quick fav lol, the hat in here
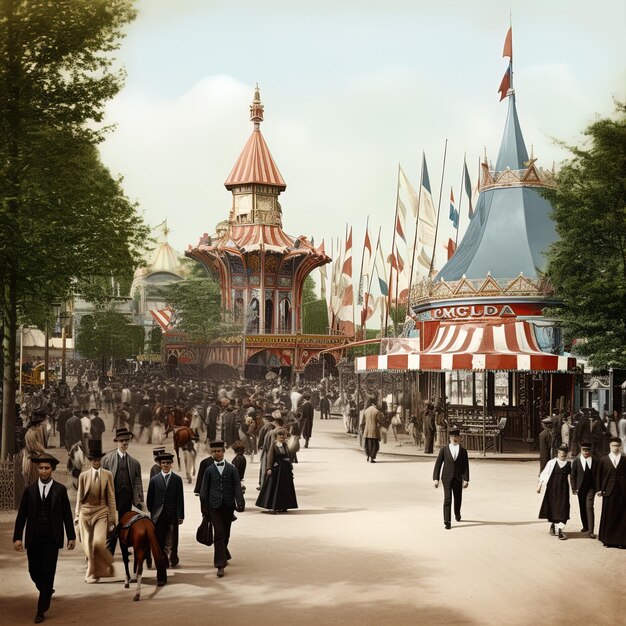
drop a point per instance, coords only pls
(165, 456)
(616, 440)
(40, 413)
(36, 419)
(76, 412)
(46, 458)
(585, 445)
(454, 432)
(547, 420)
(122, 433)
(85, 411)
(216, 444)
(95, 412)
(563, 448)
(157, 451)
(94, 449)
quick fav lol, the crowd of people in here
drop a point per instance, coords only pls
(265, 420)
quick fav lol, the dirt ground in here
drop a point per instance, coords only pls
(366, 546)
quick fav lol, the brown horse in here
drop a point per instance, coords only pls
(175, 417)
(183, 440)
(136, 531)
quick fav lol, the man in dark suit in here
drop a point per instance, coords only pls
(306, 418)
(166, 504)
(584, 480)
(126, 472)
(546, 443)
(45, 512)
(204, 464)
(73, 431)
(598, 436)
(612, 489)
(220, 496)
(454, 476)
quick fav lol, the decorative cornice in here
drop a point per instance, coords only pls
(531, 176)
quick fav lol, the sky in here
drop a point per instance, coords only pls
(351, 88)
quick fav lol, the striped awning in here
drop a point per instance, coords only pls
(163, 317)
(476, 347)
(251, 236)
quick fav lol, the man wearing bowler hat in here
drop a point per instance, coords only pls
(45, 512)
(95, 514)
(584, 478)
(454, 460)
(126, 478)
(220, 497)
(166, 504)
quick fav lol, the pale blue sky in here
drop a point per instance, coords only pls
(350, 89)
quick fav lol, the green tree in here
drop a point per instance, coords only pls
(587, 266)
(107, 335)
(156, 337)
(63, 218)
(198, 309)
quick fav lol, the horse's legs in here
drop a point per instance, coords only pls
(125, 558)
(139, 573)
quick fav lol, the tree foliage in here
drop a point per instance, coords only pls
(63, 217)
(108, 334)
(587, 266)
(198, 309)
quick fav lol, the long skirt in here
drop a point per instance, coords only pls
(278, 492)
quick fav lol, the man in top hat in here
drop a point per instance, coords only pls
(34, 446)
(612, 488)
(156, 468)
(220, 497)
(45, 512)
(584, 480)
(95, 514)
(546, 443)
(126, 472)
(454, 460)
(166, 504)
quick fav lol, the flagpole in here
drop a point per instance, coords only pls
(443, 170)
(417, 219)
(393, 245)
(458, 223)
(367, 221)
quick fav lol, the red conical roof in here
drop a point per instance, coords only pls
(255, 163)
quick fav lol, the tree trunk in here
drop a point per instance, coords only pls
(8, 378)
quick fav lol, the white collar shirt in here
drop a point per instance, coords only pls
(454, 450)
(121, 454)
(41, 486)
(95, 473)
(586, 462)
(220, 466)
(615, 458)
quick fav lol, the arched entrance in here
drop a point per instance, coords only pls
(173, 370)
(270, 362)
(319, 367)
(220, 371)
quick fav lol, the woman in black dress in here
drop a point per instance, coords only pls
(555, 505)
(278, 492)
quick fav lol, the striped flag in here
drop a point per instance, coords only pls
(163, 317)
(381, 271)
(427, 221)
(454, 214)
(366, 269)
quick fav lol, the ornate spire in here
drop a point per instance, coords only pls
(256, 109)
(513, 153)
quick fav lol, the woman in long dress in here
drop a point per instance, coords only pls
(278, 492)
(555, 506)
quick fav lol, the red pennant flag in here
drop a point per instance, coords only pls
(451, 248)
(505, 85)
(508, 45)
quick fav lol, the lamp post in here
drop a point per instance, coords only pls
(63, 317)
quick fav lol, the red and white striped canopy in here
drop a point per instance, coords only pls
(478, 347)
(252, 236)
(163, 317)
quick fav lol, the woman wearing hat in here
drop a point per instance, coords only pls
(95, 514)
(278, 492)
(555, 506)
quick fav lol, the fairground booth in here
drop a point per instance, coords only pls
(485, 349)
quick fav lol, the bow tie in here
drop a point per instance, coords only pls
(221, 463)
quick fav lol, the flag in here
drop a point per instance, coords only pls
(411, 194)
(468, 188)
(345, 289)
(505, 85)
(454, 214)
(347, 259)
(508, 44)
(451, 248)
(366, 269)
(427, 221)
(400, 228)
(323, 279)
(381, 271)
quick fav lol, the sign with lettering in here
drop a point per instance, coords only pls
(479, 311)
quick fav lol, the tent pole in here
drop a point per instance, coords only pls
(485, 412)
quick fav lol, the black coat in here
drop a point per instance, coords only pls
(452, 469)
(169, 502)
(578, 473)
(546, 447)
(61, 513)
(306, 412)
(221, 490)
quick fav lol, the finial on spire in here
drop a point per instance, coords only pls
(256, 108)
